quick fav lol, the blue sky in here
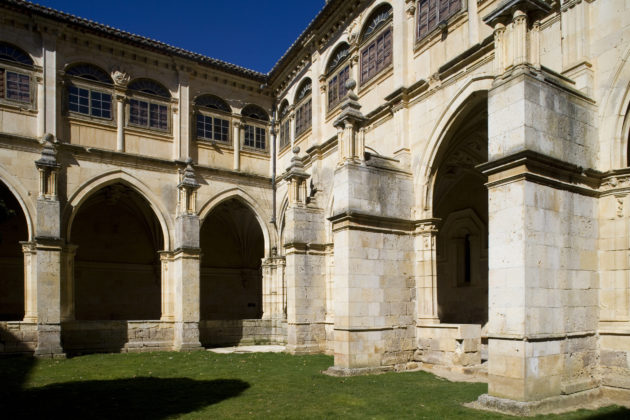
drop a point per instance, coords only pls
(250, 33)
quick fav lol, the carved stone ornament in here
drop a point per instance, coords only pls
(49, 152)
(188, 178)
(410, 7)
(120, 77)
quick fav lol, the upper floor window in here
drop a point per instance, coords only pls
(338, 71)
(432, 12)
(148, 106)
(285, 125)
(255, 127)
(376, 54)
(88, 92)
(213, 118)
(303, 111)
(15, 78)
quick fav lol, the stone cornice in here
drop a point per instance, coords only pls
(541, 169)
(352, 220)
(505, 10)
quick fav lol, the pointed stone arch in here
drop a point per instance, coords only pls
(615, 118)
(20, 192)
(248, 200)
(14, 229)
(476, 89)
(109, 178)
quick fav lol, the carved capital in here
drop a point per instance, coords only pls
(120, 77)
(410, 8)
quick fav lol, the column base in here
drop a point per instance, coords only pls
(186, 336)
(49, 342)
(557, 404)
(339, 371)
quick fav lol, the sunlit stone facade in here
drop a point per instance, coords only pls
(427, 182)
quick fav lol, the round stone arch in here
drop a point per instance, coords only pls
(110, 178)
(19, 192)
(473, 91)
(269, 235)
(614, 118)
(325, 58)
(368, 14)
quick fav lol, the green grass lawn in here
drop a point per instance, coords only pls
(216, 386)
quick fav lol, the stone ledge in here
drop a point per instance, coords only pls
(343, 372)
(558, 404)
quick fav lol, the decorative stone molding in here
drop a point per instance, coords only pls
(511, 23)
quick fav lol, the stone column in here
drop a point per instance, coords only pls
(238, 128)
(47, 250)
(186, 265)
(121, 80)
(542, 256)
(185, 139)
(274, 288)
(292, 125)
(120, 123)
(30, 281)
(426, 272)
(49, 40)
(41, 106)
(305, 289)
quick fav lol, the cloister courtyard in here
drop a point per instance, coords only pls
(204, 384)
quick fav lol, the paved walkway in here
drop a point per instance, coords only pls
(249, 349)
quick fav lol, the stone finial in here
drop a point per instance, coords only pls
(188, 190)
(348, 124)
(48, 158)
(297, 176)
(188, 179)
(48, 167)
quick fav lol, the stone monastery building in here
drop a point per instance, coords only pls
(435, 181)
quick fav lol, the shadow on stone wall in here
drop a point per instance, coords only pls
(143, 397)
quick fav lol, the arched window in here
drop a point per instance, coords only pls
(87, 97)
(213, 118)
(303, 110)
(433, 12)
(285, 124)
(338, 72)
(255, 127)
(15, 77)
(376, 39)
(148, 105)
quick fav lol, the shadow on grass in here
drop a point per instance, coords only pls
(620, 413)
(142, 397)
